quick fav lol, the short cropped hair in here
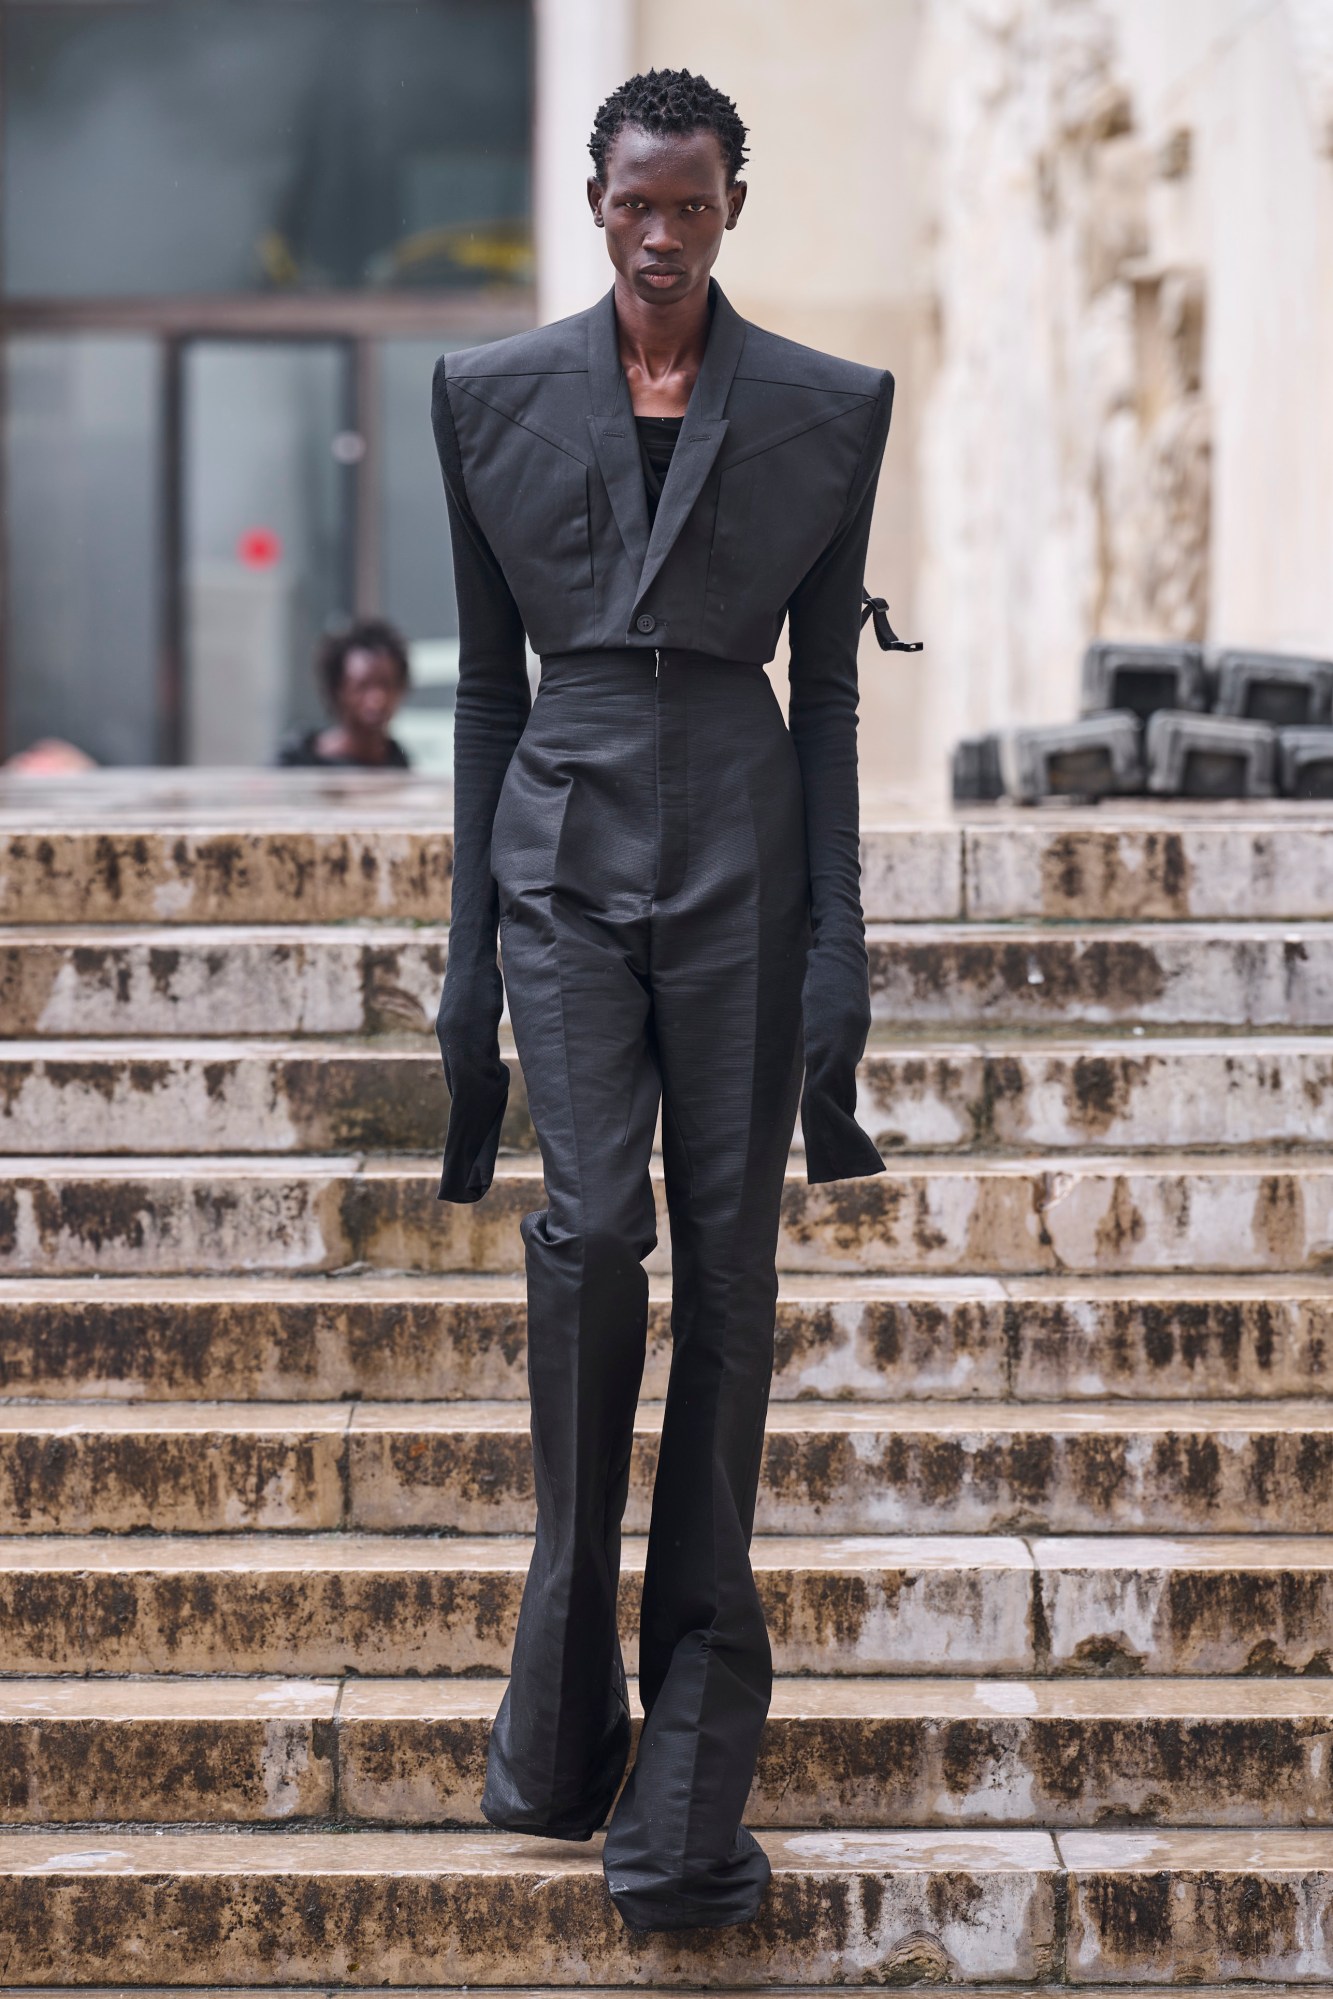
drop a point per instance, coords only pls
(365, 635)
(669, 100)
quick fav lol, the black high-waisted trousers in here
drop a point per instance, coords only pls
(649, 851)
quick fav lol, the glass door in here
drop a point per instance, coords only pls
(268, 466)
(82, 461)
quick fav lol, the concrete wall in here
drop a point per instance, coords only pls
(1130, 424)
(827, 250)
(1094, 241)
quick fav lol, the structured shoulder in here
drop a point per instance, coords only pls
(558, 349)
(768, 357)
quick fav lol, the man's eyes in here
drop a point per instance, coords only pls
(691, 207)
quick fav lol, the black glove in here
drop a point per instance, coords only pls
(467, 1028)
(836, 1005)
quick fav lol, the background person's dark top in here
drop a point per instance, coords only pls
(764, 515)
(300, 750)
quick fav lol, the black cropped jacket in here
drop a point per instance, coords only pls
(764, 516)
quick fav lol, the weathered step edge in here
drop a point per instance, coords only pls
(187, 981)
(836, 1753)
(388, 1605)
(961, 1097)
(1160, 862)
(896, 1339)
(1006, 1217)
(868, 1908)
(827, 1468)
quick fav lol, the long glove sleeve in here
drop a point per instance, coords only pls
(489, 715)
(825, 623)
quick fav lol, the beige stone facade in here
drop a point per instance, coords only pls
(1094, 241)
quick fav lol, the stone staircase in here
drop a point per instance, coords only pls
(1046, 1526)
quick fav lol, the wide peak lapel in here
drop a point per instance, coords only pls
(701, 434)
(614, 437)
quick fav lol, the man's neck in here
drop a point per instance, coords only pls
(661, 346)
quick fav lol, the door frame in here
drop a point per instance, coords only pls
(358, 557)
(359, 321)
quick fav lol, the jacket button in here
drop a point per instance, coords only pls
(646, 622)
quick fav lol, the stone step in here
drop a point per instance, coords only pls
(1146, 859)
(837, 1753)
(391, 1604)
(828, 1468)
(235, 1095)
(189, 874)
(316, 978)
(474, 1908)
(957, 977)
(294, 979)
(1103, 1215)
(345, 1991)
(861, 1469)
(1006, 1094)
(168, 1751)
(386, 1605)
(1141, 865)
(870, 1908)
(894, 1339)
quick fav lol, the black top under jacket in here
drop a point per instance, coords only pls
(657, 440)
(764, 515)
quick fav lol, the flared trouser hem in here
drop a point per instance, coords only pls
(516, 1804)
(727, 1893)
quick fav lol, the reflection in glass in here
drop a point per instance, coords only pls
(82, 445)
(416, 563)
(266, 546)
(172, 146)
(416, 559)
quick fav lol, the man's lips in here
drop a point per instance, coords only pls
(660, 274)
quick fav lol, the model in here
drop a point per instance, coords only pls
(646, 490)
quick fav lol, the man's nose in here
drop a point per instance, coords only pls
(661, 238)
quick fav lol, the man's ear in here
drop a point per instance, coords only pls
(595, 200)
(736, 194)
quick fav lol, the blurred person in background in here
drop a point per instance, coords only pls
(365, 674)
(50, 756)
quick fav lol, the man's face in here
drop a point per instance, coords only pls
(664, 207)
(370, 690)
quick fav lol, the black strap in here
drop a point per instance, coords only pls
(878, 609)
